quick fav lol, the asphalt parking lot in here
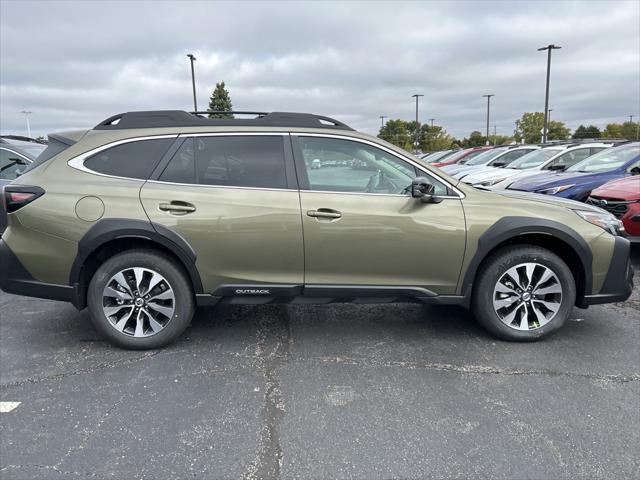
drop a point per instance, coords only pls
(339, 391)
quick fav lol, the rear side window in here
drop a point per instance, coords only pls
(238, 161)
(11, 165)
(131, 160)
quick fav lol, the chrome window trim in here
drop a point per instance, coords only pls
(420, 168)
(4, 147)
(77, 162)
(234, 187)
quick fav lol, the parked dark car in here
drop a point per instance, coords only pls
(578, 181)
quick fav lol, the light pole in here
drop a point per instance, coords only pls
(26, 114)
(548, 48)
(631, 118)
(488, 109)
(193, 81)
(382, 117)
(431, 120)
(417, 96)
(549, 115)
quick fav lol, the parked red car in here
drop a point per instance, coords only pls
(621, 198)
(463, 155)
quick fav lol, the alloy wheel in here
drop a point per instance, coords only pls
(527, 296)
(138, 302)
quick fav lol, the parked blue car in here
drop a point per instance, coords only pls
(577, 181)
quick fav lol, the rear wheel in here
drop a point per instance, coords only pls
(140, 299)
(523, 293)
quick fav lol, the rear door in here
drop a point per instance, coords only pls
(363, 229)
(234, 199)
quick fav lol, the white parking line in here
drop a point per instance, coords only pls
(8, 407)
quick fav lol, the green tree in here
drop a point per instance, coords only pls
(220, 101)
(630, 130)
(529, 127)
(559, 131)
(476, 139)
(500, 140)
(587, 132)
(397, 132)
(613, 130)
(435, 138)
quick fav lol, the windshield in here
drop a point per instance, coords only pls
(435, 156)
(609, 159)
(441, 157)
(534, 159)
(470, 156)
(486, 156)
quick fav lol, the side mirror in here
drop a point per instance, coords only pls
(557, 167)
(635, 171)
(422, 189)
(498, 164)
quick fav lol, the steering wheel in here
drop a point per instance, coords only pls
(379, 181)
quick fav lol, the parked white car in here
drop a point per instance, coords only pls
(554, 157)
(499, 156)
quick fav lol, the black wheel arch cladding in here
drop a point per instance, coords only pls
(510, 228)
(110, 229)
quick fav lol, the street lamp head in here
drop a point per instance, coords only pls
(191, 56)
(417, 95)
(489, 95)
(550, 47)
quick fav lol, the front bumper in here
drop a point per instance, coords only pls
(618, 284)
(14, 278)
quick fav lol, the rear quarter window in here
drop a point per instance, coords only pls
(135, 159)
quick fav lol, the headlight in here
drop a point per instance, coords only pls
(603, 220)
(554, 190)
(488, 183)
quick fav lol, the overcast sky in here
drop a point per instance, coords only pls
(75, 63)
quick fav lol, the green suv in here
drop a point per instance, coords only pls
(151, 214)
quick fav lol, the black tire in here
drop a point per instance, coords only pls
(184, 298)
(492, 270)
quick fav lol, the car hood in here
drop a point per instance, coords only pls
(489, 174)
(553, 179)
(626, 189)
(549, 200)
(466, 170)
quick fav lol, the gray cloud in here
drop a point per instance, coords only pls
(76, 63)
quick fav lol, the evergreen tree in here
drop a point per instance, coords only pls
(220, 101)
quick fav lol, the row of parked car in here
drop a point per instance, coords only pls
(603, 173)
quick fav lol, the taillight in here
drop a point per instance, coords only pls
(17, 196)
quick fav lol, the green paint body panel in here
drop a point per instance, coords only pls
(253, 236)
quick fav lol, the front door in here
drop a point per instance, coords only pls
(230, 197)
(362, 227)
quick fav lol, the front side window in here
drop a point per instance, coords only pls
(238, 161)
(338, 165)
(11, 165)
(131, 160)
(571, 157)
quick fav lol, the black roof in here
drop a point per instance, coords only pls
(179, 118)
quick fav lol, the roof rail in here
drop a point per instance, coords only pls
(22, 138)
(179, 118)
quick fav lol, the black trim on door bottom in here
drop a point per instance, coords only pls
(246, 294)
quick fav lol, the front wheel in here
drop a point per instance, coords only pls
(523, 293)
(140, 299)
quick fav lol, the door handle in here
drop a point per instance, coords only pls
(180, 208)
(324, 213)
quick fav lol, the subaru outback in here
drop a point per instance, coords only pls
(151, 214)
